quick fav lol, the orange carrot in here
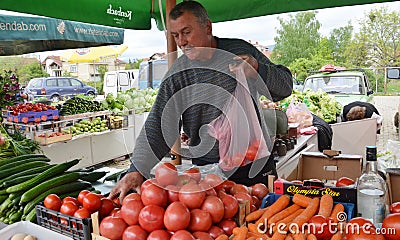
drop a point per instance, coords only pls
(288, 237)
(325, 205)
(278, 236)
(253, 216)
(281, 203)
(222, 237)
(301, 200)
(240, 233)
(298, 236)
(337, 236)
(287, 220)
(251, 238)
(311, 237)
(284, 213)
(252, 228)
(257, 236)
(310, 211)
(335, 211)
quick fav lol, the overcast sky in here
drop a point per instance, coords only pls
(144, 43)
(260, 29)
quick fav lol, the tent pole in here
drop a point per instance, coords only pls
(172, 56)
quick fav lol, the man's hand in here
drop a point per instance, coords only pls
(131, 181)
(249, 63)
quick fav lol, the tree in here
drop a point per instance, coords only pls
(133, 65)
(102, 71)
(32, 70)
(297, 38)
(338, 40)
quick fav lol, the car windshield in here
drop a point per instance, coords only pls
(35, 83)
(336, 84)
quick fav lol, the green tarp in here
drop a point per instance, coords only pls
(137, 14)
(20, 34)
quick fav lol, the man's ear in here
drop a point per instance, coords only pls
(209, 27)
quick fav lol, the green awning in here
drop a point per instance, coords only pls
(21, 34)
(137, 14)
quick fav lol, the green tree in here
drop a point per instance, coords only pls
(133, 65)
(297, 38)
(102, 71)
(338, 40)
(32, 70)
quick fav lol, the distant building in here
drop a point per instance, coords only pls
(266, 50)
(52, 65)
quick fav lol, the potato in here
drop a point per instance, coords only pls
(18, 236)
(30, 237)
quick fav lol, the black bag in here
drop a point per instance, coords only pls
(324, 133)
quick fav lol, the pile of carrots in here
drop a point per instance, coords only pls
(283, 213)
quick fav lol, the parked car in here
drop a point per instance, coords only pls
(57, 88)
(119, 81)
(345, 85)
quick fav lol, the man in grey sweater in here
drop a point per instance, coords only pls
(194, 91)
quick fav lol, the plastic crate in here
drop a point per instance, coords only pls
(76, 228)
(272, 197)
(34, 116)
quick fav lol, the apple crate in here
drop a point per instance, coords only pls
(76, 228)
(48, 138)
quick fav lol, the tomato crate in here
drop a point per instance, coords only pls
(37, 117)
(76, 228)
(349, 208)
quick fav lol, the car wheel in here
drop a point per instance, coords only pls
(55, 98)
(90, 93)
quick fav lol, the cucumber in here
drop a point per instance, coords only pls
(114, 176)
(16, 169)
(17, 180)
(27, 172)
(62, 189)
(31, 217)
(93, 176)
(49, 184)
(13, 164)
(49, 173)
(18, 158)
(16, 216)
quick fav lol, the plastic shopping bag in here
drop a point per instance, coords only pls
(238, 130)
(299, 113)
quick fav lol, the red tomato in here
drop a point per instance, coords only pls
(106, 207)
(114, 211)
(215, 207)
(364, 234)
(200, 220)
(344, 181)
(231, 205)
(321, 227)
(176, 217)
(227, 225)
(238, 188)
(183, 180)
(130, 211)
(82, 213)
(215, 231)
(154, 195)
(53, 202)
(193, 173)
(91, 202)
(131, 196)
(192, 195)
(202, 236)
(213, 179)
(227, 185)
(112, 227)
(147, 183)
(71, 199)
(395, 207)
(182, 235)
(68, 208)
(259, 190)
(359, 222)
(257, 202)
(116, 202)
(160, 234)
(166, 174)
(134, 232)
(81, 195)
(251, 153)
(210, 191)
(391, 225)
(151, 218)
(173, 193)
(243, 197)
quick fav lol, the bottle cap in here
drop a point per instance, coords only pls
(371, 153)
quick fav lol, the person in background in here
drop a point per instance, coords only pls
(359, 110)
(25, 95)
(191, 29)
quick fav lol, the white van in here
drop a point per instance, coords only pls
(118, 81)
(156, 69)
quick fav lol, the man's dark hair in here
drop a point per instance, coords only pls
(191, 6)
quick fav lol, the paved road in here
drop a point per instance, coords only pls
(387, 107)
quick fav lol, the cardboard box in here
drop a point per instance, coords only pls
(393, 181)
(316, 165)
(47, 139)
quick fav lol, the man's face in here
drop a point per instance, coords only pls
(191, 37)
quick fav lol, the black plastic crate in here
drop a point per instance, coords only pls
(76, 228)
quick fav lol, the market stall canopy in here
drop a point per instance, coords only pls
(137, 14)
(93, 54)
(22, 34)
